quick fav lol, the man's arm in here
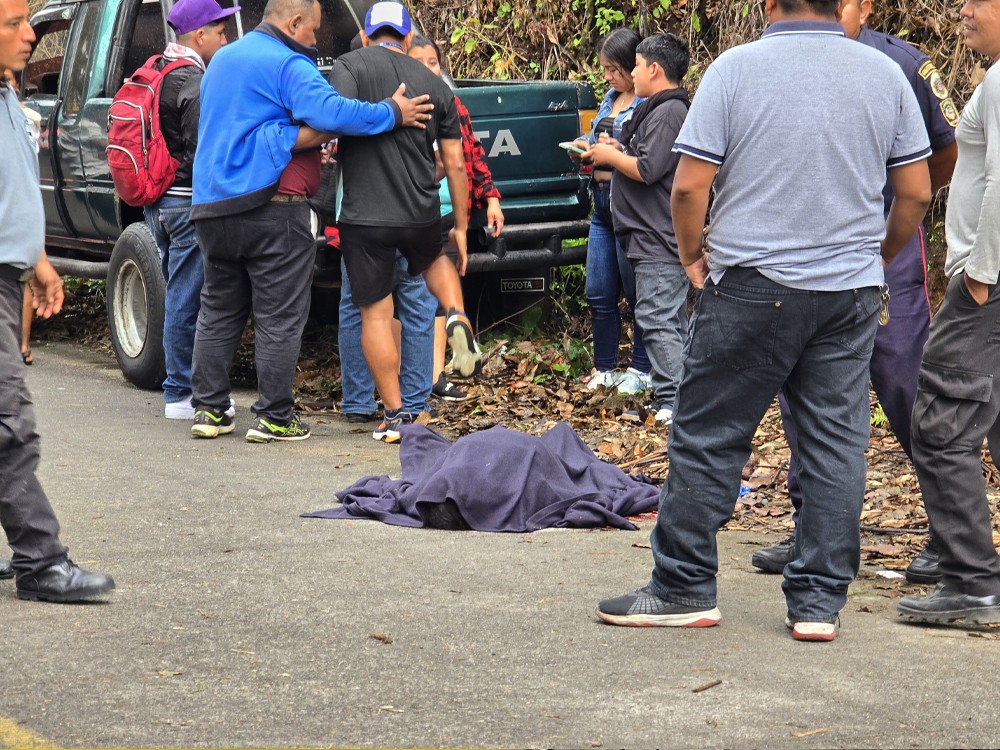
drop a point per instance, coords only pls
(458, 186)
(941, 164)
(310, 138)
(911, 188)
(689, 208)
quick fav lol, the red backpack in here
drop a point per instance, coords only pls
(141, 166)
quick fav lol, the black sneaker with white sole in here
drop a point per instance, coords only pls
(269, 430)
(643, 608)
(446, 391)
(210, 423)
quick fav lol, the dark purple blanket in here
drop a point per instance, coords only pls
(499, 480)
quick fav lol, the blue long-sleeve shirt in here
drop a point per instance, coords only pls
(255, 95)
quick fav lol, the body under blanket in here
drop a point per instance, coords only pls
(498, 480)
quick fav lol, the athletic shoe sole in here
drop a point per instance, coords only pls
(973, 616)
(256, 436)
(823, 632)
(467, 360)
(703, 619)
(211, 430)
(453, 399)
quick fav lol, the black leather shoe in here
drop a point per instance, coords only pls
(63, 582)
(6, 569)
(924, 568)
(774, 559)
(358, 418)
(944, 606)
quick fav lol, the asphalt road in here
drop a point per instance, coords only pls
(238, 623)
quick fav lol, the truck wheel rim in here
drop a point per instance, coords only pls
(130, 304)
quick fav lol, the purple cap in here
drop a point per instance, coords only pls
(388, 14)
(188, 15)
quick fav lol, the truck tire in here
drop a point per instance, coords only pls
(136, 294)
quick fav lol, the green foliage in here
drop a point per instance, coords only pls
(661, 8)
(531, 321)
(85, 287)
(879, 419)
(606, 17)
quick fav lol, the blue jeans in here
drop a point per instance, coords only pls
(169, 220)
(416, 307)
(749, 337)
(609, 274)
(899, 349)
(661, 291)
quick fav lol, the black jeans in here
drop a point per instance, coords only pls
(25, 513)
(749, 337)
(260, 261)
(957, 406)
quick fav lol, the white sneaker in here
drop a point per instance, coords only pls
(664, 416)
(606, 378)
(185, 410)
(633, 382)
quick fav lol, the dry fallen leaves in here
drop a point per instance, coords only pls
(523, 388)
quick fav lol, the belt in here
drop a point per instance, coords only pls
(283, 198)
(13, 273)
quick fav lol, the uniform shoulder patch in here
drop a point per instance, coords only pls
(930, 73)
(950, 111)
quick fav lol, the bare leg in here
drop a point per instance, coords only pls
(442, 279)
(397, 337)
(440, 344)
(379, 346)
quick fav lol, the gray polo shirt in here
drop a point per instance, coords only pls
(22, 219)
(803, 124)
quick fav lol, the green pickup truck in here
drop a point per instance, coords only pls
(86, 48)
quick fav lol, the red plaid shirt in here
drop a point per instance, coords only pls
(481, 184)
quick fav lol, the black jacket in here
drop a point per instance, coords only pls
(180, 107)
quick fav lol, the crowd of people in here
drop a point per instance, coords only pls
(810, 155)
(818, 155)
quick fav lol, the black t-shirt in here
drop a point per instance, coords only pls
(390, 179)
(641, 211)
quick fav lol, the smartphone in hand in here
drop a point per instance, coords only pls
(571, 147)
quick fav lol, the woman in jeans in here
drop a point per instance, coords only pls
(608, 271)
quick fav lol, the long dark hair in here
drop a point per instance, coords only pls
(618, 47)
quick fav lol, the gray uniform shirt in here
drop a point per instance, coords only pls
(804, 124)
(972, 221)
(22, 219)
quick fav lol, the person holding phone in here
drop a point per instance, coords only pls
(608, 270)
